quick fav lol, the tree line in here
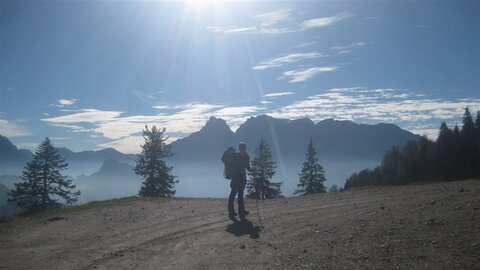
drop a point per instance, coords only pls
(44, 186)
(454, 156)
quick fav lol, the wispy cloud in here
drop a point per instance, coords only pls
(363, 105)
(350, 46)
(324, 21)
(267, 24)
(84, 116)
(279, 94)
(270, 23)
(287, 59)
(121, 131)
(306, 44)
(301, 75)
(273, 17)
(64, 102)
(10, 129)
(241, 30)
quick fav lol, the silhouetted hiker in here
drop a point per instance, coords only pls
(238, 182)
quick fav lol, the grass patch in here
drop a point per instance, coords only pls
(98, 204)
(31, 219)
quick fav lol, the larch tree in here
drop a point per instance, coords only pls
(259, 185)
(44, 187)
(151, 165)
(312, 175)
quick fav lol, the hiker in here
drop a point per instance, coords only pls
(241, 162)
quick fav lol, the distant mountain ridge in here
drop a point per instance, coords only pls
(333, 139)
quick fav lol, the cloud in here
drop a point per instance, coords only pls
(350, 46)
(301, 75)
(273, 17)
(28, 145)
(265, 26)
(84, 116)
(250, 30)
(306, 44)
(286, 59)
(279, 94)
(120, 130)
(268, 24)
(241, 29)
(10, 129)
(145, 95)
(127, 145)
(64, 102)
(324, 21)
(419, 115)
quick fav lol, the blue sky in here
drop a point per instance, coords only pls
(91, 74)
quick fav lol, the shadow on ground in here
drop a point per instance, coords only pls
(243, 227)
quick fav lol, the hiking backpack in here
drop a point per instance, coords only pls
(228, 159)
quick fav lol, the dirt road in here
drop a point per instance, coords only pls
(428, 226)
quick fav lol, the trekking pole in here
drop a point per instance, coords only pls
(258, 214)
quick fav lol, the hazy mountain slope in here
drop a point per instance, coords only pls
(3, 194)
(113, 180)
(12, 159)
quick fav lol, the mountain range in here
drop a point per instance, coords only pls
(343, 147)
(289, 138)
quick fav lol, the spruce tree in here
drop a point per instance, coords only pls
(468, 146)
(43, 184)
(151, 165)
(259, 185)
(477, 120)
(312, 175)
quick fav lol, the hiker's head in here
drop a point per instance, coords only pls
(242, 147)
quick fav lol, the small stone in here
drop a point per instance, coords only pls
(242, 246)
(305, 251)
(433, 202)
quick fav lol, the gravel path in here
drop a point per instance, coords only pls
(427, 226)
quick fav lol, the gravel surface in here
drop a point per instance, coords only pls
(425, 226)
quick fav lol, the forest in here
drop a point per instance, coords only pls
(455, 155)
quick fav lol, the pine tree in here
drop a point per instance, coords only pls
(312, 175)
(444, 160)
(151, 165)
(477, 120)
(468, 146)
(468, 124)
(43, 184)
(259, 185)
(391, 166)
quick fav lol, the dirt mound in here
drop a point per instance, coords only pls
(429, 226)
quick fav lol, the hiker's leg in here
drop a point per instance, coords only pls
(231, 199)
(241, 206)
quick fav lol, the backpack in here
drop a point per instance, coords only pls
(228, 159)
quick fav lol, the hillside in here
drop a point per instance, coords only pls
(428, 226)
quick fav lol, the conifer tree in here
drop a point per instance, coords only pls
(312, 175)
(151, 165)
(259, 185)
(468, 146)
(43, 184)
(477, 120)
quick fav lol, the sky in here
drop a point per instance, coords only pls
(92, 74)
